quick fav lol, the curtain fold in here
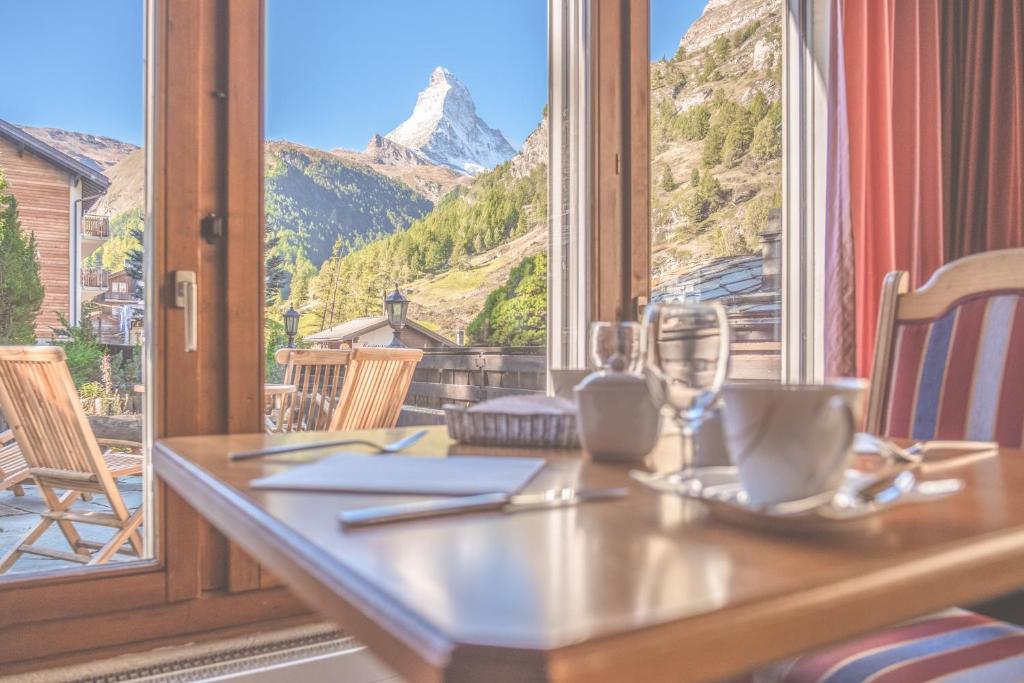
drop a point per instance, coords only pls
(986, 124)
(935, 115)
(840, 286)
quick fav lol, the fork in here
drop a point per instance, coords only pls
(393, 447)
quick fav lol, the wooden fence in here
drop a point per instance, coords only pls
(467, 375)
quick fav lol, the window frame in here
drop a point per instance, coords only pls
(204, 148)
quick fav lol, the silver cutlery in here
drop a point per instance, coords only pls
(393, 447)
(915, 454)
(551, 498)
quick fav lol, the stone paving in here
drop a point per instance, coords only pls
(18, 514)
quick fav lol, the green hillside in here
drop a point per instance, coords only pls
(316, 201)
(497, 208)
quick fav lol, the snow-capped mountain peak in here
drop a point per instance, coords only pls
(445, 128)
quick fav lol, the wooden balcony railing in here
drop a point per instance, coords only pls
(96, 226)
(95, 277)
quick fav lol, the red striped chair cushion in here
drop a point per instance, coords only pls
(955, 646)
(960, 376)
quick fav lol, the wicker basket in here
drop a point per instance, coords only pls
(536, 422)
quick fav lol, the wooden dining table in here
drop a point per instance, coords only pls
(644, 588)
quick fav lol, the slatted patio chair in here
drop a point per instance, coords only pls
(318, 376)
(376, 382)
(13, 468)
(39, 399)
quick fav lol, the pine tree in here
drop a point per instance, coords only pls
(668, 183)
(21, 290)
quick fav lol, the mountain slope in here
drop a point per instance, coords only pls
(314, 199)
(445, 128)
(715, 138)
(96, 151)
(127, 185)
(406, 165)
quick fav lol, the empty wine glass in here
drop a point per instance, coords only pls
(686, 349)
(616, 347)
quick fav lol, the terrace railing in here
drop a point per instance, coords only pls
(468, 375)
(95, 277)
(94, 225)
(472, 374)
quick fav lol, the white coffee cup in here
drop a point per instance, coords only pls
(789, 441)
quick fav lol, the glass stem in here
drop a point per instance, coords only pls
(686, 434)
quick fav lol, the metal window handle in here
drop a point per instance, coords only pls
(185, 291)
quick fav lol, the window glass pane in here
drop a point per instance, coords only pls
(72, 207)
(716, 164)
(407, 147)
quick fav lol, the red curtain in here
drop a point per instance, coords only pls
(934, 94)
(984, 110)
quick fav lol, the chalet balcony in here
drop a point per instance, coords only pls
(95, 279)
(95, 226)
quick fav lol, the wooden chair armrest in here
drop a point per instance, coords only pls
(120, 443)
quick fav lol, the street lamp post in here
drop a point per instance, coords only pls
(291, 325)
(396, 308)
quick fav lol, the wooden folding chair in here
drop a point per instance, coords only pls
(13, 468)
(39, 399)
(376, 382)
(318, 376)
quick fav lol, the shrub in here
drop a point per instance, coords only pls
(696, 207)
(694, 123)
(712, 153)
(744, 34)
(710, 71)
(721, 47)
(767, 140)
(758, 107)
(737, 141)
(668, 183)
(21, 290)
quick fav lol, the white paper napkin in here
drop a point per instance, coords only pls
(417, 475)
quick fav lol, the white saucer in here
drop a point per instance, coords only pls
(720, 490)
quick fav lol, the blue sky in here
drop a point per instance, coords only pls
(337, 71)
(669, 21)
(78, 66)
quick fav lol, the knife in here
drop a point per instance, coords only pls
(435, 507)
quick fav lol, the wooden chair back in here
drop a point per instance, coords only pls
(41, 403)
(318, 377)
(949, 357)
(376, 383)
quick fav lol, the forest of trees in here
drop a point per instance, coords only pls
(516, 313)
(497, 207)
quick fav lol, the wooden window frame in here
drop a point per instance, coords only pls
(204, 149)
(620, 214)
(620, 140)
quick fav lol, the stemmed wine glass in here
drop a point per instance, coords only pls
(687, 360)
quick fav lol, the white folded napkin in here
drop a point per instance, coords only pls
(409, 474)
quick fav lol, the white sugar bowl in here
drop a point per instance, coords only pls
(618, 418)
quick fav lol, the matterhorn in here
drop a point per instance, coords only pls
(445, 128)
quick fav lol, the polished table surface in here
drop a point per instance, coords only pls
(644, 588)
